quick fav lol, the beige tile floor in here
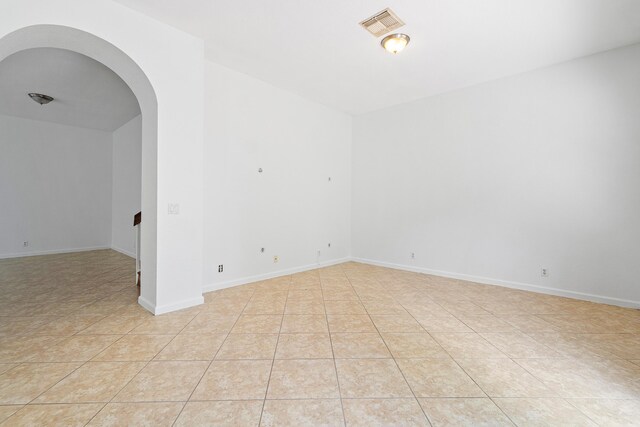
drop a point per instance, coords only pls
(350, 344)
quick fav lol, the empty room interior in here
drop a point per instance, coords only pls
(320, 213)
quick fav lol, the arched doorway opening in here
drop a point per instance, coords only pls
(62, 37)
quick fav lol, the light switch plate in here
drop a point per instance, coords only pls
(174, 208)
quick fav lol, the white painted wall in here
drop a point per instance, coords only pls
(291, 209)
(496, 181)
(55, 187)
(173, 62)
(500, 180)
(126, 187)
(67, 188)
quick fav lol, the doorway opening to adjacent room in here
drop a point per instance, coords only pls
(76, 170)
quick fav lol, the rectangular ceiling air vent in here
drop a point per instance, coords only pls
(382, 23)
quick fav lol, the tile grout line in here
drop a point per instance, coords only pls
(392, 356)
(402, 288)
(335, 366)
(61, 339)
(558, 396)
(141, 369)
(70, 373)
(463, 370)
(569, 401)
(275, 350)
(469, 375)
(212, 359)
(82, 363)
(514, 360)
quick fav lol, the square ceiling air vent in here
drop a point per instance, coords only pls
(382, 23)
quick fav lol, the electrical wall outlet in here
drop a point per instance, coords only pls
(319, 252)
(25, 244)
(413, 255)
(329, 245)
(276, 259)
(220, 268)
(544, 272)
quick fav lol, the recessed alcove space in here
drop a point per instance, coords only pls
(71, 169)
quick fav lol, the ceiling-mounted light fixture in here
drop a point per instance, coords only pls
(40, 98)
(395, 43)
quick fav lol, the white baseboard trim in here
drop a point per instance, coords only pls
(124, 252)
(167, 308)
(251, 279)
(53, 252)
(146, 304)
(507, 284)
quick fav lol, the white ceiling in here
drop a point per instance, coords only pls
(87, 94)
(316, 48)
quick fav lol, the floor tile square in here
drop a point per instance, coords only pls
(220, 414)
(300, 323)
(114, 325)
(588, 378)
(7, 410)
(303, 379)
(504, 378)
(248, 346)
(359, 346)
(134, 348)
(192, 347)
(438, 378)
(396, 323)
(70, 325)
(234, 380)
(92, 382)
(310, 412)
(266, 307)
(210, 323)
(467, 345)
(409, 345)
(166, 324)
(529, 323)
(371, 378)
(350, 323)
(304, 346)
(304, 307)
(4, 367)
(163, 381)
(487, 323)
(339, 295)
(464, 413)
(344, 307)
(258, 324)
(383, 412)
(609, 412)
(305, 293)
(543, 412)
(26, 382)
(22, 349)
(137, 414)
(224, 307)
(446, 323)
(78, 348)
(383, 307)
(519, 346)
(59, 415)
